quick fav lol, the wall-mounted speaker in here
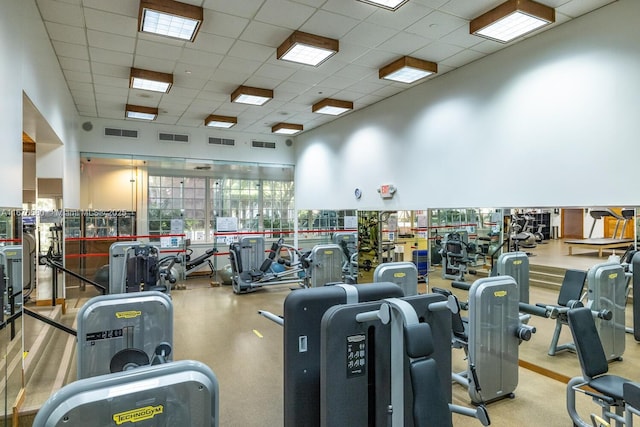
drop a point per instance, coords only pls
(289, 142)
(87, 126)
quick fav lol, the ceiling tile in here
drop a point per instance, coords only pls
(110, 70)
(468, 9)
(66, 33)
(120, 90)
(436, 25)
(154, 64)
(111, 23)
(296, 14)
(70, 50)
(401, 18)
(197, 57)
(110, 57)
(78, 76)
(111, 81)
(245, 9)
(376, 58)
(222, 24)
(354, 9)
(158, 50)
(121, 7)
(75, 64)
(270, 35)
(62, 13)
(405, 43)
(113, 42)
(437, 51)
(213, 43)
(369, 35)
(329, 24)
(253, 51)
(240, 65)
(356, 72)
(274, 71)
(462, 58)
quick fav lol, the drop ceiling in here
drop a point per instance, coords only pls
(97, 42)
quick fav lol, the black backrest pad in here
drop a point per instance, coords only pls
(572, 286)
(430, 407)
(588, 346)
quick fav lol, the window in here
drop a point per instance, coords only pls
(258, 205)
(183, 198)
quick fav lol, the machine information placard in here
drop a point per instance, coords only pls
(356, 355)
(104, 335)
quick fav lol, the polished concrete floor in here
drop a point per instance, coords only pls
(244, 349)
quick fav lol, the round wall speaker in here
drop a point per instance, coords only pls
(289, 142)
(87, 126)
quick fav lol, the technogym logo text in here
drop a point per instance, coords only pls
(136, 415)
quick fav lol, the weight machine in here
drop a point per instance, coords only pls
(490, 337)
(251, 271)
(183, 393)
(120, 331)
(136, 266)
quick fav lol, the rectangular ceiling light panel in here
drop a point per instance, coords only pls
(150, 80)
(408, 70)
(287, 128)
(170, 18)
(251, 95)
(220, 121)
(141, 113)
(386, 4)
(511, 20)
(333, 107)
(307, 49)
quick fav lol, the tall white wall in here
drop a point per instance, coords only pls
(11, 53)
(550, 121)
(44, 84)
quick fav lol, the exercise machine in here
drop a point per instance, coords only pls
(516, 265)
(605, 298)
(610, 392)
(136, 266)
(250, 271)
(301, 322)
(190, 264)
(324, 265)
(403, 274)
(348, 242)
(606, 290)
(183, 393)
(366, 350)
(120, 331)
(11, 260)
(455, 258)
(519, 237)
(491, 337)
(635, 280)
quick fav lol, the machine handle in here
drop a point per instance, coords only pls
(603, 314)
(460, 285)
(534, 309)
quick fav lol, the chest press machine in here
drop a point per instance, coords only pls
(318, 337)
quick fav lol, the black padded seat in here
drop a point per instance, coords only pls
(609, 385)
(430, 407)
(593, 360)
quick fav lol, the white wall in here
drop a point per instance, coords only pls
(11, 52)
(551, 121)
(29, 65)
(147, 143)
